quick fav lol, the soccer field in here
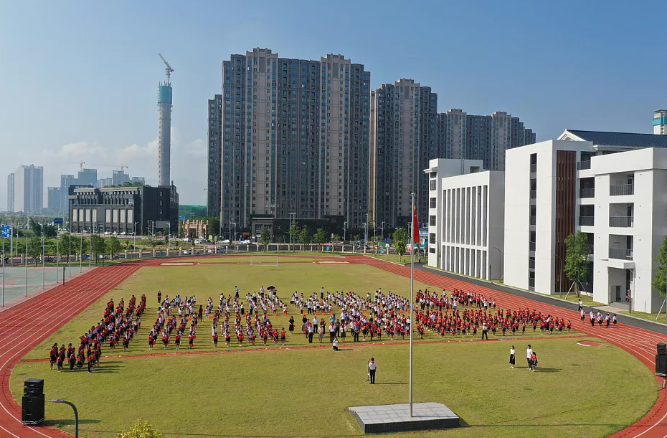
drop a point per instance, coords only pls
(301, 391)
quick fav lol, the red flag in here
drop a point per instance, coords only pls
(415, 224)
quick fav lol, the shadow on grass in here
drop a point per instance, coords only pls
(69, 422)
(548, 370)
(390, 383)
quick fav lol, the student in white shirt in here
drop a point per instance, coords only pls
(335, 344)
(372, 367)
(529, 354)
(512, 356)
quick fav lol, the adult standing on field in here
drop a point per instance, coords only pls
(529, 357)
(372, 368)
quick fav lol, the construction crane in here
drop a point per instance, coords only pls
(168, 69)
(122, 166)
(80, 163)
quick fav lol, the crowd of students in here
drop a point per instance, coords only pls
(368, 317)
(119, 324)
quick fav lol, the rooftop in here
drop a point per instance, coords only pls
(616, 138)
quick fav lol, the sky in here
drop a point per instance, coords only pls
(78, 79)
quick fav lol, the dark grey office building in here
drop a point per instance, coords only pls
(123, 209)
(294, 139)
(213, 195)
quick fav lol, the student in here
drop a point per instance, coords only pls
(372, 368)
(335, 344)
(529, 357)
(581, 305)
(512, 357)
(485, 331)
(533, 359)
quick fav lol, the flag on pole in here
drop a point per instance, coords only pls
(415, 224)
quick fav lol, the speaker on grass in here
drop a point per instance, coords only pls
(32, 409)
(662, 348)
(33, 387)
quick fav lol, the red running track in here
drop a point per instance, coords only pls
(27, 324)
(638, 342)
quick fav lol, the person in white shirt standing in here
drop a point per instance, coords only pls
(372, 367)
(335, 344)
(529, 355)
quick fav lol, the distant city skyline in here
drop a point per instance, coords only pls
(526, 59)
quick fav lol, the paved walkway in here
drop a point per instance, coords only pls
(26, 325)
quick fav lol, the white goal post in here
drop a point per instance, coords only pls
(263, 261)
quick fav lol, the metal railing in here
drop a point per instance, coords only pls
(587, 221)
(588, 192)
(622, 189)
(584, 165)
(619, 253)
(621, 221)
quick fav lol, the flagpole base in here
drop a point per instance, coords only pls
(396, 418)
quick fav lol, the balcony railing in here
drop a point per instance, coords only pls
(532, 246)
(533, 168)
(587, 192)
(533, 220)
(622, 254)
(533, 194)
(622, 189)
(584, 165)
(620, 221)
(587, 221)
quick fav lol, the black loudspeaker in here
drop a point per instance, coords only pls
(33, 387)
(662, 348)
(661, 364)
(33, 409)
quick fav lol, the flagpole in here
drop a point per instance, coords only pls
(412, 290)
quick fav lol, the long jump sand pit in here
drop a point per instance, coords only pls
(331, 262)
(177, 264)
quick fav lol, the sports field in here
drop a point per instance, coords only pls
(297, 390)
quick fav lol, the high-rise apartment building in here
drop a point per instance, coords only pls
(29, 189)
(10, 192)
(119, 178)
(404, 139)
(87, 177)
(660, 122)
(54, 200)
(474, 137)
(294, 139)
(213, 195)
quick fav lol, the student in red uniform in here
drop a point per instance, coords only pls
(282, 336)
(53, 355)
(72, 360)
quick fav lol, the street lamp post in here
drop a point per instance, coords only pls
(76, 415)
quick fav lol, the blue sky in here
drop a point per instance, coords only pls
(78, 80)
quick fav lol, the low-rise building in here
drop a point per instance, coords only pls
(607, 185)
(466, 214)
(140, 209)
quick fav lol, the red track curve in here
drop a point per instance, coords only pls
(28, 323)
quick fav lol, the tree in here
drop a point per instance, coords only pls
(304, 236)
(50, 231)
(113, 245)
(336, 238)
(294, 231)
(142, 429)
(400, 240)
(576, 258)
(36, 227)
(660, 277)
(35, 248)
(214, 226)
(97, 246)
(265, 237)
(320, 236)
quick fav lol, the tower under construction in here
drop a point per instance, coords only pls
(164, 135)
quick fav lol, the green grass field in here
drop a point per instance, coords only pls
(281, 392)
